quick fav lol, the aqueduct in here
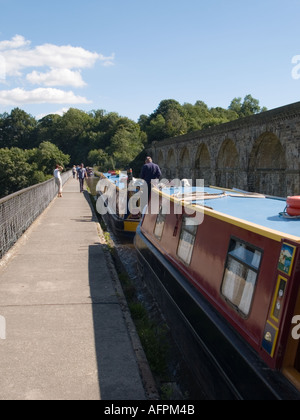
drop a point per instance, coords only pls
(259, 153)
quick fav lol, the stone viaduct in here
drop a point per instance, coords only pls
(259, 153)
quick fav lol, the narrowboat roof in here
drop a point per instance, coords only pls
(120, 179)
(254, 209)
(117, 179)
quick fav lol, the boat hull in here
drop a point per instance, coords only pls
(223, 364)
(121, 227)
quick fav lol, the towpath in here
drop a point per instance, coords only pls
(66, 337)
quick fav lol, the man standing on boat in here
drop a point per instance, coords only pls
(149, 172)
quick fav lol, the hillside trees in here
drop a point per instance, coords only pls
(77, 133)
(168, 120)
(249, 106)
(119, 142)
(30, 148)
(15, 170)
(17, 129)
(171, 119)
(22, 168)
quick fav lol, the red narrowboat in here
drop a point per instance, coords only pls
(224, 265)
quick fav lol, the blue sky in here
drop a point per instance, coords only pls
(126, 56)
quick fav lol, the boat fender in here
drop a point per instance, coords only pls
(293, 205)
(292, 211)
(294, 201)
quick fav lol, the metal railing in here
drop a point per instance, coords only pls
(19, 210)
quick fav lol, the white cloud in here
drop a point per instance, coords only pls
(45, 65)
(57, 77)
(107, 61)
(42, 95)
(47, 55)
(17, 41)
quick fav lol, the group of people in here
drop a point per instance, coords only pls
(76, 169)
(79, 172)
(150, 171)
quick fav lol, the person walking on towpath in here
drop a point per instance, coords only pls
(58, 169)
(150, 171)
(74, 171)
(81, 175)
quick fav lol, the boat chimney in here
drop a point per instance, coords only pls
(129, 175)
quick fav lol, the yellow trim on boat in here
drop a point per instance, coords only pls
(252, 227)
(131, 226)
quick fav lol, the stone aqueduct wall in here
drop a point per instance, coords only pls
(259, 153)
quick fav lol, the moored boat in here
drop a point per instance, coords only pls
(224, 265)
(114, 191)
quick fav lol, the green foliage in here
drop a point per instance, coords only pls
(119, 145)
(17, 129)
(249, 106)
(30, 149)
(171, 119)
(168, 120)
(22, 168)
(15, 171)
(47, 156)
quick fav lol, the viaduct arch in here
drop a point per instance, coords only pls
(259, 153)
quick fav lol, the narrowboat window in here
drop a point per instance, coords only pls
(187, 241)
(240, 276)
(160, 224)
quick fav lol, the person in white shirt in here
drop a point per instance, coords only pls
(58, 169)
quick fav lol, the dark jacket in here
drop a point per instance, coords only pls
(150, 171)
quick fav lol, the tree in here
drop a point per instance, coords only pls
(236, 105)
(156, 128)
(69, 130)
(125, 146)
(250, 106)
(47, 129)
(168, 120)
(18, 130)
(100, 137)
(22, 168)
(196, 115)
(15, 171)
(98, 158)
(175, 123)
(171, 119)
(47, 156)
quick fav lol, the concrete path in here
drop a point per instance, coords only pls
(66, 338)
